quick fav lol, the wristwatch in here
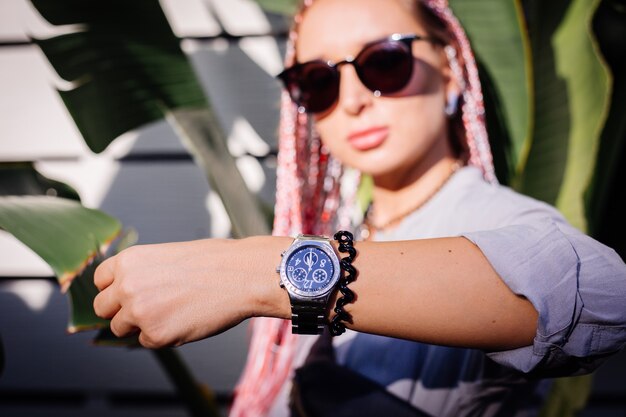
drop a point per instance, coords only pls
(309, 271)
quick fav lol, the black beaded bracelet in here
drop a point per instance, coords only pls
(346, 245)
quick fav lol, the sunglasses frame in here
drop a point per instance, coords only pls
(288, 75)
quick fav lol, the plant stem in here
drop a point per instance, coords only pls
(199, 130)
(198, 398)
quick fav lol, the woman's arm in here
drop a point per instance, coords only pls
(440, 291)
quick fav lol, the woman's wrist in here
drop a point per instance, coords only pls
(265, 297)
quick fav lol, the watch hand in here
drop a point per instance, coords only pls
(309, 260)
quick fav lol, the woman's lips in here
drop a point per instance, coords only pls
(370, 138)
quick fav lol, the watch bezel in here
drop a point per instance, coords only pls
(324, 246)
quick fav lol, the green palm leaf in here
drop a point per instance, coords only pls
(128, 74)
(605, 199)
(285, 7)
(126, 64)
(572, 99)
(62, 232)
(569, 99)
(21, 178)
(68, 237)
(501, 47)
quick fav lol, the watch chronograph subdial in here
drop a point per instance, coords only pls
(319, 275)
(299, 274)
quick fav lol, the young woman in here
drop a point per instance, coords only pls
(466, 292)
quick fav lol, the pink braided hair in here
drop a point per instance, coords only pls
(309, 199)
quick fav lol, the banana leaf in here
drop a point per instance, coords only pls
(495, 29)
(125, 62)
(605, 199)
(285, 7)
(62, 232)
(68, 237)
(27, 192)
(128, 74)
(573, 92)
(21, 178)
(569, 99)
(72, 240)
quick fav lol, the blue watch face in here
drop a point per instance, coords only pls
(310, 269)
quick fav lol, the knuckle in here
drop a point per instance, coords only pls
(97, 277)
(147, 340)
(123, 260)
(126, 288)
(96, 305)
(115, 329)
(138, 312)
(144, 340)
(102, 272)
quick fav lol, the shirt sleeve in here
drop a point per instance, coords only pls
(577, 285)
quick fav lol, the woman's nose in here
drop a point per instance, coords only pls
(353, 95)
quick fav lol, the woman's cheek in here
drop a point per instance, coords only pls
(331, 132)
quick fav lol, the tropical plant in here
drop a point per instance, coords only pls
(73, 240)
(554, 107)
(554, 110)
(127, 75)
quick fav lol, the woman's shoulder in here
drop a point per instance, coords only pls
(485, 205)
(468, 203)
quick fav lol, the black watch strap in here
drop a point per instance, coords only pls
(308, 318)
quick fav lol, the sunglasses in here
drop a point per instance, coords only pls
(384, 67)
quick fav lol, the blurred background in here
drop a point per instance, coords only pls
(148, 180)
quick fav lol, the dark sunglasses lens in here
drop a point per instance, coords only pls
(314, 86)
(386, 66)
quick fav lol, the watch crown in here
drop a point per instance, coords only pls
(278, 269)
(280, 283)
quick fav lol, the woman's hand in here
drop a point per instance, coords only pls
(175, 293)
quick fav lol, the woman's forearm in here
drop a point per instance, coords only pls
(440, 291)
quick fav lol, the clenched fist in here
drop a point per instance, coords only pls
(175, 293)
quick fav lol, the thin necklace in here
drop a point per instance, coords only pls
(368, 225)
